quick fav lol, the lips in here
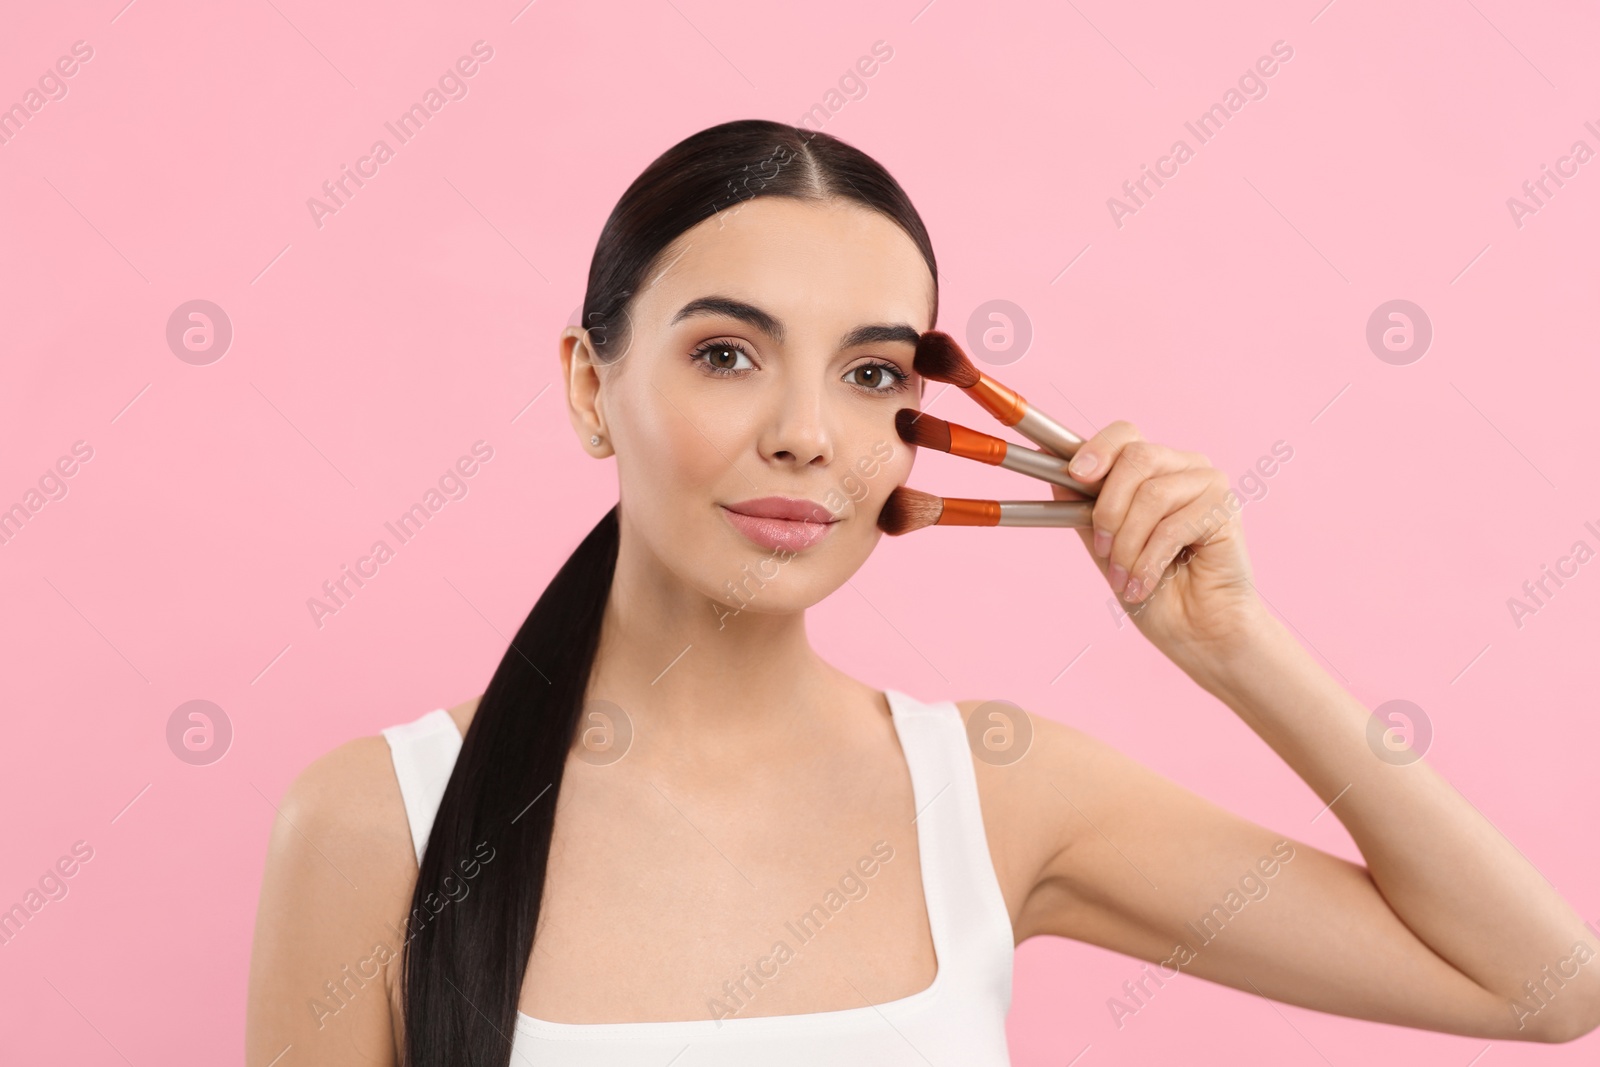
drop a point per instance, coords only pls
(781, 522)
(783, 507)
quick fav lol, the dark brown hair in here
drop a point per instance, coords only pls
(463, 965)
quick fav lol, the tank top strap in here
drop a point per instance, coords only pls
(966, 909)
(424, 752)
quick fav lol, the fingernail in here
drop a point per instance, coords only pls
(1117, 576)
(1102, 543)
(1082, 464)
(1131, 593)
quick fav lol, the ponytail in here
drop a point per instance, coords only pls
(462, 967)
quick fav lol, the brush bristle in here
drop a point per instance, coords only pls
(940, 358)
(921, 429)
(909, 509)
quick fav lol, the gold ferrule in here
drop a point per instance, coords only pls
(959, 511)
(970, 444)
(1002, 402)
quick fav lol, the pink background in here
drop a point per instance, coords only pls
(1226, 315)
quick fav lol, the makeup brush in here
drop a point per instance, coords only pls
(928, 431)
(908, 509)
(940, 358)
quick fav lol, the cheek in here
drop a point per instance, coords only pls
(677, 441)
(670, 477)
(871, 467)
(894, 471)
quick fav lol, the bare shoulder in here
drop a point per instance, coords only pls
(351, 795)
(462, 713)
(1029, 770)
(1020, 756)
(339, 872)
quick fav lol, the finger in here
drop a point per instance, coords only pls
(1153, 501)
(1136, 463)
(1193, 522)
(1094, 457)
(1061, 492)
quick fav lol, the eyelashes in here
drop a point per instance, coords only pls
(896, 377)
(704, 353)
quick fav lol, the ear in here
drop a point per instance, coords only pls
(582, 378)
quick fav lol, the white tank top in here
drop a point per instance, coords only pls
(957, 1021)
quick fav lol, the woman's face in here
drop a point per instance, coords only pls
(769, 350)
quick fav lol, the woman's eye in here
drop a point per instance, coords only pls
(722, 357)
(880, 377)
(726, 358)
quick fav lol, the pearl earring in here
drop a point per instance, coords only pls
(594, 440)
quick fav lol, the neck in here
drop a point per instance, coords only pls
(680, 663)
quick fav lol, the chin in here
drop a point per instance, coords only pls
(778, 581)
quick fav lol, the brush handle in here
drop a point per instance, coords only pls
(1014, 410)
(1046, 512)
(1044, 466)
(1047, 433)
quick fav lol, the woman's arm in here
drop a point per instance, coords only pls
(1444, 869)
(1447, 927)
(339, 873)
(1439, 931)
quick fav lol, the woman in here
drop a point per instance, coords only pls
(734, 853)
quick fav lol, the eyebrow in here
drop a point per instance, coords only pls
(871, 333)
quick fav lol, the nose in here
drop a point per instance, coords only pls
(798, 433)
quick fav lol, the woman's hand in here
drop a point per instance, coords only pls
(1168, 539)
